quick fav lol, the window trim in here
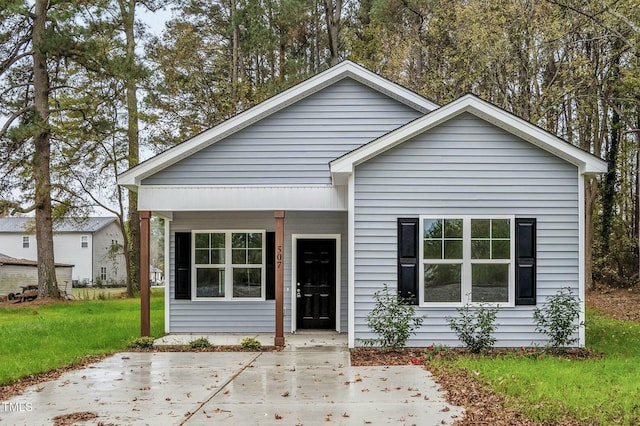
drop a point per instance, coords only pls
(466, 261)
(84, 241)
(228, 266)
(26, 242)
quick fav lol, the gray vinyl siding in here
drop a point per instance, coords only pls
(465, 166)
(205, 316)
(296, 144)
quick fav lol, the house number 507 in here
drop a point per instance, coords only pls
(279, 256)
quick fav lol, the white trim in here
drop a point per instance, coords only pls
(587, 163)
(228, 266)
(467, 262)
(236, 198)
(294, 274)
(351, 277)
(133, 177)
(581, 259)
(167, 275)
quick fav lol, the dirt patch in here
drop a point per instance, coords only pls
(73, 418)
(40, 301)
(616, 303)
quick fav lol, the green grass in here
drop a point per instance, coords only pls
(595, 391)
(42, 338)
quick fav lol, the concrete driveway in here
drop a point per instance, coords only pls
(307, 386)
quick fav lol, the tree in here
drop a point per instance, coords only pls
(29, 31)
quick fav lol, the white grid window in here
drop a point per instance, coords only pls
(229, 264)
(466, 259)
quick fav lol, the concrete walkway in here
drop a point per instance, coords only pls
(303, 385)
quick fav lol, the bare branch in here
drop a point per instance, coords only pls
(11, 207)
(12, 118)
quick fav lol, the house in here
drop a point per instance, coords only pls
(290, 215)
(93, 245)
(17, 273)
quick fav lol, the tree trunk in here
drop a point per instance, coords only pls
(47, 284)
(590, 194)
(615, 134)
(133, 250)
(332, 12)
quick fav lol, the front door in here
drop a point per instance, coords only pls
(316, 284)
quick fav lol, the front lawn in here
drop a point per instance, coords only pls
(37, 339)
(593, 391)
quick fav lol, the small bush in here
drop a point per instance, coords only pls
(251, 343)
(474, 327)
(141, 343)
(438, 353)
(557, 318)
(199, 343)
(392, 319)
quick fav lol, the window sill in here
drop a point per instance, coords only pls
(226, 300)
(447, 305)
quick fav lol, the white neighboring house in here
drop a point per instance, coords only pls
(93, 245)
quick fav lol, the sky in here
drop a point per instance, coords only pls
(155, 20)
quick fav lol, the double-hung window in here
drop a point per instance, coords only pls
(25, 241)
(466, 259)
(229, 265)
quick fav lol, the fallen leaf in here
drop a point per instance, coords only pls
(285, 394)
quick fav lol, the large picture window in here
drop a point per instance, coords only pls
(229, 264)
(466, 259)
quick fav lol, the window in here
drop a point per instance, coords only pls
(85, 241)
(103, 273)
(466, 259)
(229, 264)
(25, 241)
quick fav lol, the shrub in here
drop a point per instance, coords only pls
(438, 353)
(251, 343)
(557, 318)
(474, 327)
(141, 343)
(199, 343)
(392, 319)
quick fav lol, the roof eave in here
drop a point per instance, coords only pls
(586, 162)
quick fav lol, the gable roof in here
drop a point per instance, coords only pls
(8, 260)
(346, 69)
(26, 224)
(587, 163)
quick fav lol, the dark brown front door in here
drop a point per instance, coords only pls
(316, 284)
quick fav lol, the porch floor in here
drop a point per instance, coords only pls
(293, 341)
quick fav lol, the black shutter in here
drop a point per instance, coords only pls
(183, 265)
(408, 258)
(270, 279)
(525, 261)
